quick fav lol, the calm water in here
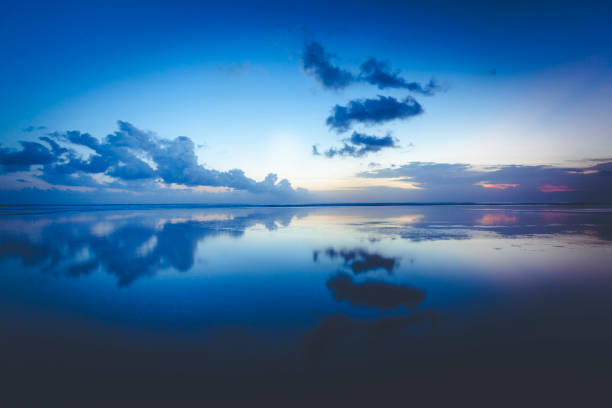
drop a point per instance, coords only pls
(167, 304)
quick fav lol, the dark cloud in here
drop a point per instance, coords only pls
(317, 62)
(359, 260)
(372, 112)
(31, 153)
(359, 144)
(129, 155)
(380, 74)
(345, 150)
(376, 294)
(361, 139)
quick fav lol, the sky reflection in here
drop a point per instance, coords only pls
(318, 291)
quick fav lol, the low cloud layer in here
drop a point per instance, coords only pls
(459, 182)
(372, 112)
(358, 145)
(129, 158)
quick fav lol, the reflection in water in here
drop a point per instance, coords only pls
(498, 219)
(338, 333)
(127, 247)
(376, 294)
(360, 260)
(465, 222)
(279, 300)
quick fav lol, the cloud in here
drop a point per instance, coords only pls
(346, 150)
(449, 181)
(502, 186)
(31, 153)
(358, 145)
(127, 156)
(317, 62)
(55, 147)
(380, 74)
(372, 112)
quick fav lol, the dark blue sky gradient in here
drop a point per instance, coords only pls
(51, 48)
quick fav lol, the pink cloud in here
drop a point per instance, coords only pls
(549, 188)
(497, 186)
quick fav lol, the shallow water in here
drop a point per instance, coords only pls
(164, 304)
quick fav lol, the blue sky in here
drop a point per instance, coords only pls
(517, 86)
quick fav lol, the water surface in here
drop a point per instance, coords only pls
(162, 304)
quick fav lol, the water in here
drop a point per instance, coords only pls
(167, 305)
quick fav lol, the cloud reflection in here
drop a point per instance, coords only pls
(467, 222)
(128, 247)
(338, 333)
(375, 294)
(360, 260)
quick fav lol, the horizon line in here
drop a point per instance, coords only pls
(358, 204)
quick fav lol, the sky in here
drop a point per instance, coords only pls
(305, 102)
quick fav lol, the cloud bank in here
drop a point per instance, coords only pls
(507, 183)
(130, 159)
